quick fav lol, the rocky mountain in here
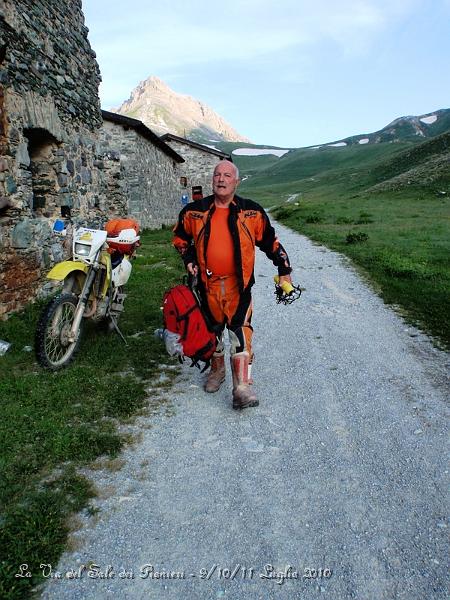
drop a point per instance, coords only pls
(408, 128)
(164, 111)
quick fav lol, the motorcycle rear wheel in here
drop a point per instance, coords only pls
(53, 348)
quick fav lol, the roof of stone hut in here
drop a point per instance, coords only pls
(176, 138)
(144, 131)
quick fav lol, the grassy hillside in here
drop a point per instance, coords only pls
(399, 235)
(328, 160)
(433, 154)
(299, 168)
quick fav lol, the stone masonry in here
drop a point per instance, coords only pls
(200, 162)
(57, 159)
(138, 173)
(49, 116)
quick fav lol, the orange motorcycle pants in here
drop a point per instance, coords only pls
(229, 308)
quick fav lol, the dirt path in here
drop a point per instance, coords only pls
(340, 473)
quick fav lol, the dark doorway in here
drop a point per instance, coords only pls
(41, 149)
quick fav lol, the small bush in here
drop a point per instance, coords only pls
(403, 267)
(356, 237)
(313, 218)
(364, 218)
(344, 221)
(282, 213)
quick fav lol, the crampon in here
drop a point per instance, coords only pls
(286, 293)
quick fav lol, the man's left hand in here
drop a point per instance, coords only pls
(284, 278)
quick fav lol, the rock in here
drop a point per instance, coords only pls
(22, 234)
(43, 229)
(14, 135)
(71, 167)
(22, 156)
(46, 259)
(86, 176)
(57, 252)
(10, 185)
(62, 179)
(4, 202)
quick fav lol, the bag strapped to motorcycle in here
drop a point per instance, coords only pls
(183, 314)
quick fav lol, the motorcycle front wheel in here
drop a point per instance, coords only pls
(53, 348)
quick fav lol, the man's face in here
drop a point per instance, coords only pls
(225, 181)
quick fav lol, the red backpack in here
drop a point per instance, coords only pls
(182, 315)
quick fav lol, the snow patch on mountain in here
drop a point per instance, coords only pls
(364, 141)
(259, 151)
(429, 120)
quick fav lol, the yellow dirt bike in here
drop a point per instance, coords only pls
(93, 282)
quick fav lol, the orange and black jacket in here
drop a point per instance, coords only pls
(249, 226)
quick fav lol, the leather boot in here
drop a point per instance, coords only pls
(243, 396)
(216, 375)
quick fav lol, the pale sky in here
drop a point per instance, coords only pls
(288, 73)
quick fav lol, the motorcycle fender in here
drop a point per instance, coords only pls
(60, 271)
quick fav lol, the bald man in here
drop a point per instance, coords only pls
(216, 237)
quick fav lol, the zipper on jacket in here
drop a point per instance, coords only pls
(233, 219)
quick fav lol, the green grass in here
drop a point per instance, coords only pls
(416, 155)
(53, 422)
(403, 247)
(306, 167)
(400, 239)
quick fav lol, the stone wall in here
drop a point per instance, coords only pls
(57, 159)
(49, 117)
(137, 177)
(199, 165)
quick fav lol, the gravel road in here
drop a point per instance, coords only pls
(334, 488)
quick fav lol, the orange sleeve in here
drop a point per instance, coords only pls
(182, 238)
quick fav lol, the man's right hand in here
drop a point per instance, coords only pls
(192, 269)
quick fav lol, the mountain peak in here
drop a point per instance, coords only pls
(156, 83)
(165, 111)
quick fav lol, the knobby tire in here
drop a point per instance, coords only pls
(53, 351)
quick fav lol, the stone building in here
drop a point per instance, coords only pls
(199, 163)
(138, 174)
(49, 119)
(58, 157)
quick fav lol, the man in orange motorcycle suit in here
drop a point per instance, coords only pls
(216, 237)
